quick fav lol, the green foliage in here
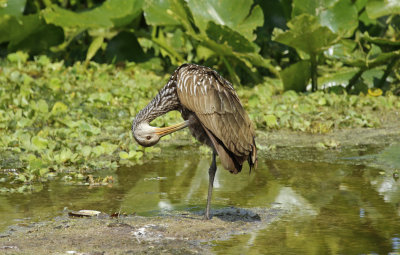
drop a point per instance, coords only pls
(245, 40)
(58, 120)
(329, 32)
(221, 35)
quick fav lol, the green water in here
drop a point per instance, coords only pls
(341, 208)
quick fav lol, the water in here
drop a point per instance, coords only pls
(330, 208)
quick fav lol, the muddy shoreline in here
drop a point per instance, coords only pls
(183, 233)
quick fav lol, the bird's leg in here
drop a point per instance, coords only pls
(211, 175)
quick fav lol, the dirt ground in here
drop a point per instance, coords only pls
(172, 234)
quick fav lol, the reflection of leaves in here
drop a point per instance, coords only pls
(390, 156)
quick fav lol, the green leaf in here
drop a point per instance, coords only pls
(223, 35)
(296, 76)
(379, 8)
(109, 148)
(42, 106)
(271, 120)
(312, 7)
(39, 142)
(94, 47)
(160, 12)
(86, 127)
(35, 163)
(98, 150)
(59, 108)
(83, 20)
(238, 15)
(381, 41)
(18, 57)
(13, 7)
(64, 155)
(341, 18)
(342, 50)
(105, 97)
(86, 150)
(111, 13)
(124, 155)
(306, 34)
(339, 77)
(29, 33)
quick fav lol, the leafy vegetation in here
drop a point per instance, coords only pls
(70, 121)
(333, 43)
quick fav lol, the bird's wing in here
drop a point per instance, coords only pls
(217, 106)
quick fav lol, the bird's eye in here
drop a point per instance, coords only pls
(148, 137)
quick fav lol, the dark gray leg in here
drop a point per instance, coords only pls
(211, 175)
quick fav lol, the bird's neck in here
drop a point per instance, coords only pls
(166, 100)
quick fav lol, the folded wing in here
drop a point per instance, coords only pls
(218, 108)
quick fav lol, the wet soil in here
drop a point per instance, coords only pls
(185, 233)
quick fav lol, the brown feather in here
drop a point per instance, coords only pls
(214, 102)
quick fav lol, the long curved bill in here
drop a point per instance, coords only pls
(168, 130)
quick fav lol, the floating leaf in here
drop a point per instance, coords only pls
(125, 155)
(271, 120)
(59, 108)
(86, 150)
(39, 142)
(42, 106)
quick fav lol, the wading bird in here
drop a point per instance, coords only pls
(212, 111)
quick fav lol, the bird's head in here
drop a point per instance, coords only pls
(147, 135)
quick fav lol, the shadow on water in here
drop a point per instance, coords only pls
(332, 208)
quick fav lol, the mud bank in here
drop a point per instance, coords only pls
(171, 234)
